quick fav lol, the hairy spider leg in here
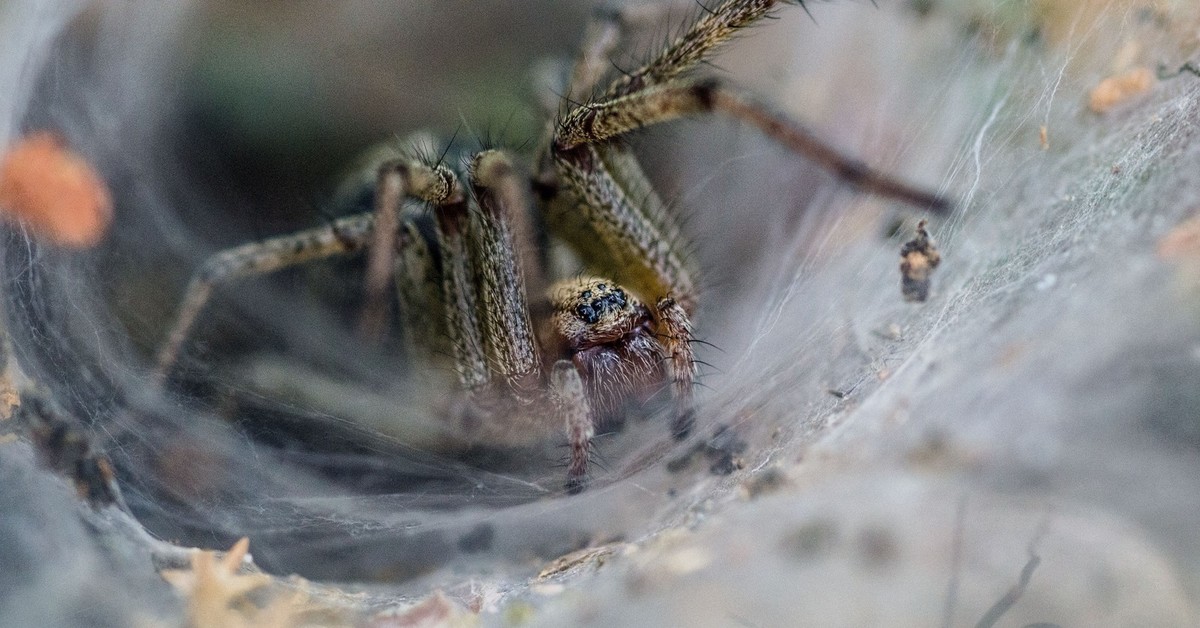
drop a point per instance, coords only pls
(675, 333)
(343, 236)
(459, 298)
(508, 335)
(599, 122)
(397, 180)
(419, 292)
(716, 27)
(571, 401)
(601, 37)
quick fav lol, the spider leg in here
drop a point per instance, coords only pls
(569, 395)
(499, 191)
(419, 292)
(603, 34)
(608, 26)
(675, 333)
(608, 223)
(656, 93)
(459, 297)
(601, 122)
(344, 236)
(397, 180)
(717, 26)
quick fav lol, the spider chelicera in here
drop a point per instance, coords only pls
(616, 331)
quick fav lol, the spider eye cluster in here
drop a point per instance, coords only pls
(591, 311)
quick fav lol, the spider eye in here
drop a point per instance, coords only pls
(586, 294)
(586, 313)
(618, 297)
(601, 287)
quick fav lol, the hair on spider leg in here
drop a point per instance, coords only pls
(496, 137)
(712, 65)
(705, 9)
(802, 4)
(598, 458)
(593, 459)
(420, 149)
(712, 368)
(697, 341)
(607, 434)
(449, 144)
(620, 70)
(694, 362)
(566, 104)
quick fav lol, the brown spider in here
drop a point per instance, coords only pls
(607, 339)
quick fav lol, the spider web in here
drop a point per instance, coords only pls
(1047, 385)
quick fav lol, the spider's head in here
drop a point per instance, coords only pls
(591, 311)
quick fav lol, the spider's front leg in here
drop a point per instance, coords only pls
(345, 236)
(603, 121)
(571, 402)
(395, 180)
(503, 328)
(675, 334)
(398, 179)
(659, 92)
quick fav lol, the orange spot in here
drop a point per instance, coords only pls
(1182, 242)
(1117, 89)
(55, 192)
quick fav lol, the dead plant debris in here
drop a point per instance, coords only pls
(228, 591)
(920, 258)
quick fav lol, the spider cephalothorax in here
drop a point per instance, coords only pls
(607, 339)
(609, 336)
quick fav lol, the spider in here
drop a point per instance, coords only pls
(581, 350)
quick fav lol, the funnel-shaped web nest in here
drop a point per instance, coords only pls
(1022, 445)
